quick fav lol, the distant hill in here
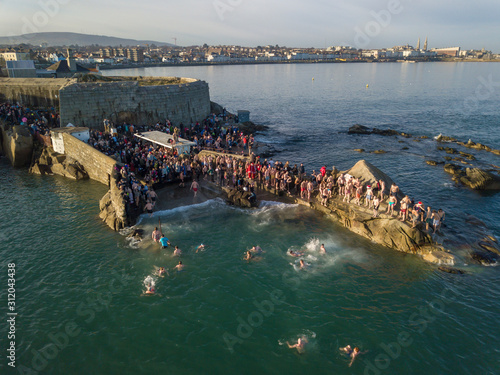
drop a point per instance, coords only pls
(67, 39)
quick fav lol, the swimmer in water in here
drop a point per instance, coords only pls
(322, 249)
(248, 256)
(177, 252)
(256, 250)
(150, 290)
(180, 266)
(352, 353)
(200, 248)
(295, 253)
(302, 265)
(162, 271)
(300, 345)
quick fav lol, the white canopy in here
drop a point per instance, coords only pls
(166, 140)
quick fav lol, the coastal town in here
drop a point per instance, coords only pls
(26, 60)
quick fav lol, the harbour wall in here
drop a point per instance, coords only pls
(98, 166)
(32, 92)
(135, 100)
(87, 104)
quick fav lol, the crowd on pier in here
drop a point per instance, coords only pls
(145, 165)
(38, 121)
(154, 164)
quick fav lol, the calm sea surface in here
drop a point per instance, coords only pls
(79, 286)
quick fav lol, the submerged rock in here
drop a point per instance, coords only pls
(484, 258)
(452, 270)
(358, 129)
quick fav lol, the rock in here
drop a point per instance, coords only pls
(359, 149)
(431, 162)
(496, 152)
(448, 158)
(216, 108)
(358, 129)
(424, 137)
(405, 148)
(384, 132)
(379, 152)
(452, 270)
(450, 150)
(478, 179)
(444, 138)
(453, 169)
(486, 259)
(468, 156)
(488, 246)
(368, 174)
(113, 208)
(439, 257)
(406, 135)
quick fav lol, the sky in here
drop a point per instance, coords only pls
(292, 23)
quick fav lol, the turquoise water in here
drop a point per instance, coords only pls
(80, 286)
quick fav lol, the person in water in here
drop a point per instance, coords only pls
(200, 248)
(352, 353)
(300, 345)
(302, 265)
(180, 266)
(257, 250)
(156, 235)
(295, 253)
(162, 271)
(177, 251)
(248, 256)
(150, 289)
(322, 249)
(164, 242)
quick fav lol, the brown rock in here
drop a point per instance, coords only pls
(478, 179)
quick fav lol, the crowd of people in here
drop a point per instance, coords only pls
(38, 121)
(155, 164)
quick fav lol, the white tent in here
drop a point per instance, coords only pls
(166, 140)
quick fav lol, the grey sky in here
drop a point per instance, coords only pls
(297, 23)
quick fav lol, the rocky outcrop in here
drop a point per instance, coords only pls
(51, 162)
(17, 144)
(478, 179)
(240, 198)
(113, 208)
(369, 174)
(359, 129)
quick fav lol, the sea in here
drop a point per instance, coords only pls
(79, 287)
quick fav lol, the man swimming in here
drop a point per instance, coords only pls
(180, 266)
(248, 256)
(300, 345)
(353, 353)
(177, 252)
(162, 271)
(322, 249)
(200, 248)
(295, 253)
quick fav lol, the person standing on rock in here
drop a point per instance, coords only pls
(392, 202)
(310, 188)
(394, 190)
(376, 204)
(382, 191)
(194, 187)
(369, 196)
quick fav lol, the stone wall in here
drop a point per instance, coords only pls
(16, 144)
(139, 100)
(87, 104)
(98, 166)
(32, 92)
